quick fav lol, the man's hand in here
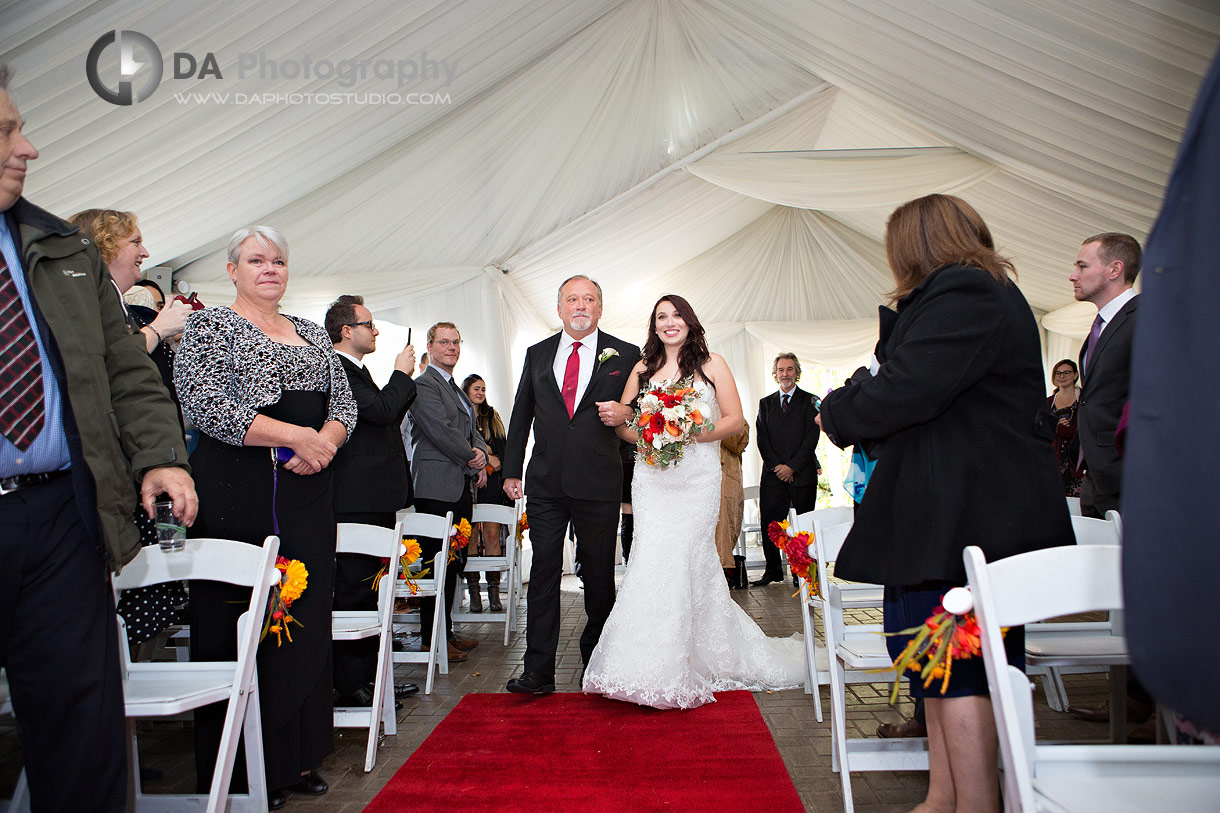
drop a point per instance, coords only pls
(404, 362)
(612, 413)
(175, 483)
(481, 480)
(784, 473)
(512, 488)
(478, 461)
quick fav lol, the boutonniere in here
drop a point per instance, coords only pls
(606, 355)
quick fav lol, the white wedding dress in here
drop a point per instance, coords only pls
(675, 636)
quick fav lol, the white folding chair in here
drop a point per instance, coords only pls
(506, 516)
(1065, 778)
(1073, 506)
(751, 525)
(817, 667)
(856, 653)
(355, 625)
(1058, 647)
(165, 689)
(432, 587)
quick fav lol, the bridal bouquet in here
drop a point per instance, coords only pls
(668, 418)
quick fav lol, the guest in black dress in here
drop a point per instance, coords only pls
(487, 538)
(255, 382)
(952, 413)
(147, 611)
(1063, 404)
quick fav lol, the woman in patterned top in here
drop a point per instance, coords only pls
(273, 405)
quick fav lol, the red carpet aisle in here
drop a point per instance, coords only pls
(576, 752)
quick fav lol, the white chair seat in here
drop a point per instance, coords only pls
(353, 625)
(865, 651)
(149, 696)
(1116, 794)
(856, 596)
(1084, 650)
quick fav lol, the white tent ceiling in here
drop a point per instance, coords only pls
(744, 154)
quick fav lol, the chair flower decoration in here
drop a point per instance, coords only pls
(950, 633)
(459, 538)
(800, 551)
(294, 578)
(409, 557)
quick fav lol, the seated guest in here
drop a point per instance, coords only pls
(273, 405)
(372, 482)
(1063, 403)
(447, 464)
(147, 611)
(155, 291)
(487, 538)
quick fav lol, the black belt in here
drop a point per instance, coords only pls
(11, 484)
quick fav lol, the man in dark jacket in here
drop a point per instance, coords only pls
(84, 418)
(1104, 273)
(372, 482)
(787, 440)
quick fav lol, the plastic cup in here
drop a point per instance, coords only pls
(171, 533)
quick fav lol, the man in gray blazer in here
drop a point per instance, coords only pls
(1105, 271)
(447, 454)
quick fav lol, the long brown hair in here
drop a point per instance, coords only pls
(694, 353)
(931, 232)
(486, 419)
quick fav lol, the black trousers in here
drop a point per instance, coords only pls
(775, 497)
(356, 661)
(59, 648)
(596, 523)
(430, 547)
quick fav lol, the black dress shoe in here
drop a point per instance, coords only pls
(531, 683)
(311, 784)
(405, 690)
(276, 799)
(767, 578)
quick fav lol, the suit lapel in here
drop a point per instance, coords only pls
(602, 344)
(548, 350)
(1108, 332)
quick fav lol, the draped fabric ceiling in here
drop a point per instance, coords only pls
(744, 154)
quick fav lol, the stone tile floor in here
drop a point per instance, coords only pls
(803, 743)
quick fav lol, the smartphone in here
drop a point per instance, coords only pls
(408, 335)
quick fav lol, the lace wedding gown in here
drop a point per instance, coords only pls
(675, 636)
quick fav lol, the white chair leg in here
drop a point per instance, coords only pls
(256, 769)
(134, 789)
(839, 734)
(815, 683)
(20, 803)
(377, 707)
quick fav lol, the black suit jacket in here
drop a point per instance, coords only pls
(791, 437)
(371, 470)
(574, 457)
(1103, 391)
(967, 458)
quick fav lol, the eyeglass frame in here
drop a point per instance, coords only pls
(1068, 371)
(367, 323)
(447, 342)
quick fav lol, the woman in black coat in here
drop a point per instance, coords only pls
(955, 414)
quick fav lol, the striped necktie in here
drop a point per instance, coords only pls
(22, 410)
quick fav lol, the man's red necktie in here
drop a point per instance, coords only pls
(571, 378)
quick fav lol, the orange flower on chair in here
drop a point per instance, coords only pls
(294, 578)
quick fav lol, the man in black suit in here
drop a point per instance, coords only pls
(568, 392)
(787, 440)
(1105, 271)
(372, 482)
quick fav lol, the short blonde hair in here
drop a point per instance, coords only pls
(108, 228)
(432, 331)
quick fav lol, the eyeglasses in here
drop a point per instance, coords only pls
(1065, 372)
(447, 342)
(369, 324)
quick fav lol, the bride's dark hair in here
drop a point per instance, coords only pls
(694, 353)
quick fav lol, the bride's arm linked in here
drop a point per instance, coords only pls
(627, 431)
(731, 419)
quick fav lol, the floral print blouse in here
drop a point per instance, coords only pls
(226, 369)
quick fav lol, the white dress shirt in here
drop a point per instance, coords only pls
(1111, 308)
(587, 355)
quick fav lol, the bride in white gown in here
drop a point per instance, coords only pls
(675, 636)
